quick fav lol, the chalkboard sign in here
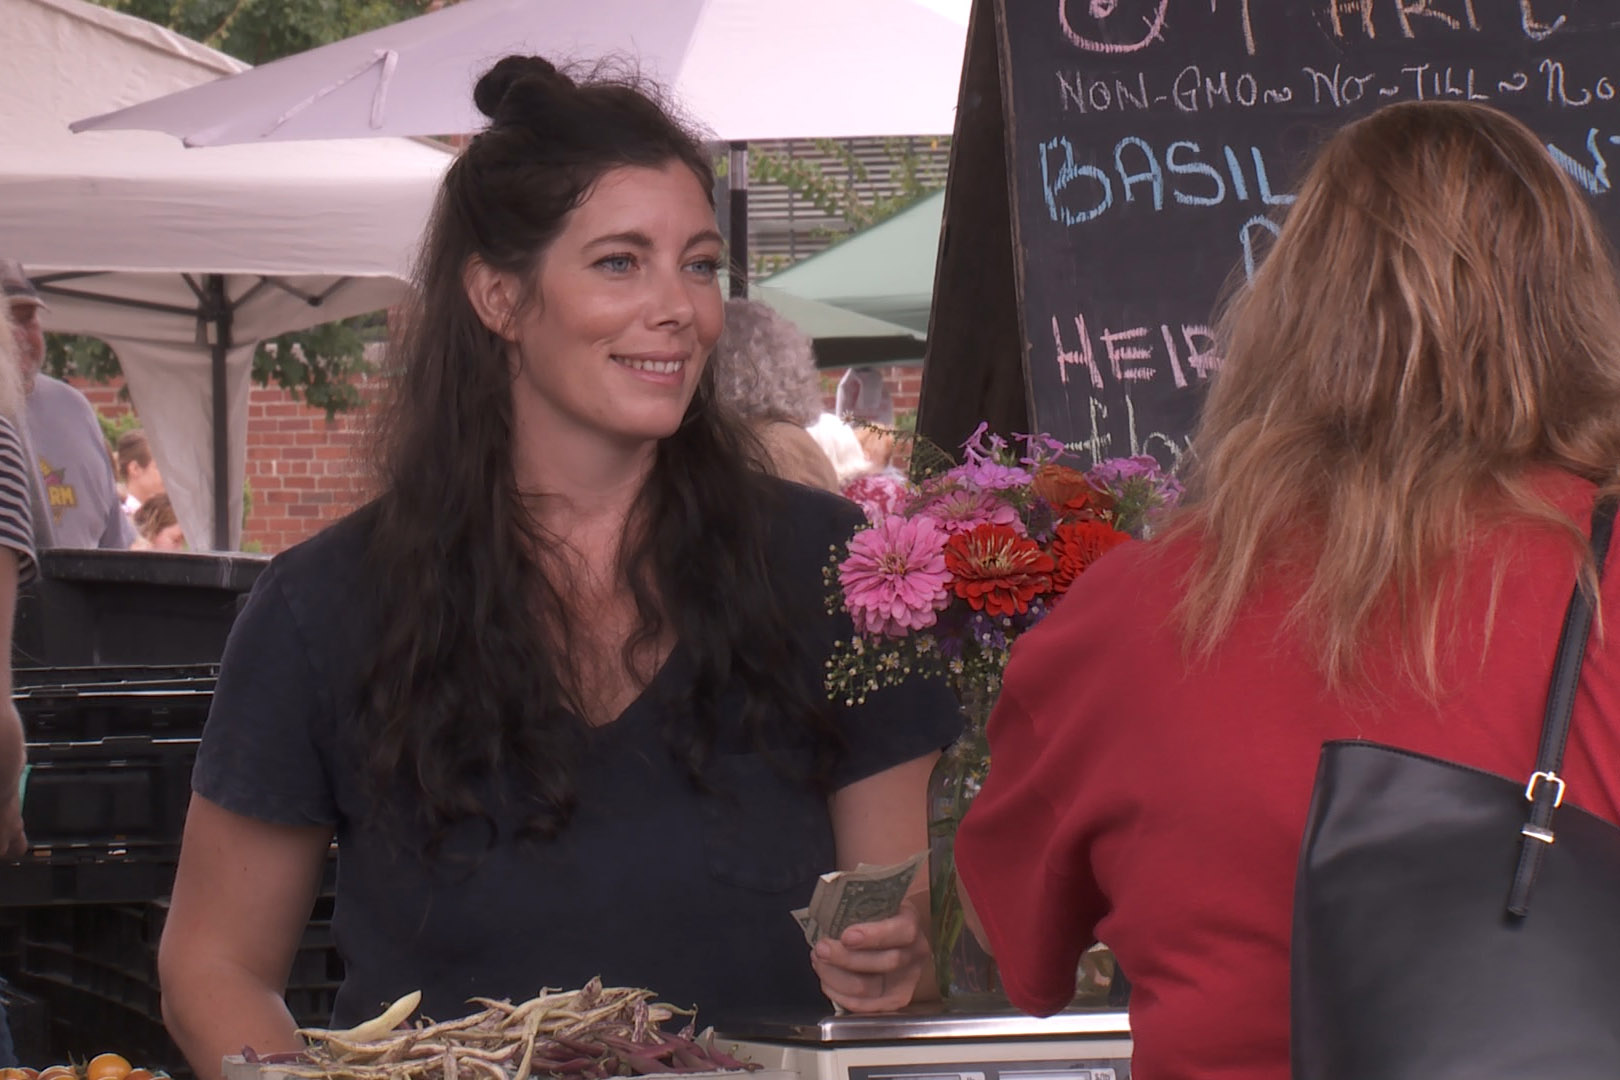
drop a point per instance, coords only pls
(1146, 149)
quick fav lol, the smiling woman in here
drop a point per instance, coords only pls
(556, 692)
(613, 333)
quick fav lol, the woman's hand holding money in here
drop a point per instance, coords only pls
(874, 966)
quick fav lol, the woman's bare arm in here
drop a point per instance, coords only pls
(242, 898)
(884, 965)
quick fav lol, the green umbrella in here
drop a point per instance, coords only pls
(842, 338)
(886, 271)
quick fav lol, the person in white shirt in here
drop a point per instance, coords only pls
(137, 470)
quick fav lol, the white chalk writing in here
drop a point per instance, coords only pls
(1098, 13)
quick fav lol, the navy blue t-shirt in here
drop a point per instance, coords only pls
(653, 882)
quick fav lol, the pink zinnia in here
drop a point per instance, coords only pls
(962, 510)
(894, 579)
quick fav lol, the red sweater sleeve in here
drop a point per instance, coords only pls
(1028, 882)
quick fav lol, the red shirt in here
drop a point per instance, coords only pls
(1157, 804)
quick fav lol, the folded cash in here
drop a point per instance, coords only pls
(811, 933)
(847, 897)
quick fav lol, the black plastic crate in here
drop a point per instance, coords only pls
(92, 608)
(83, 1023)
(91, 874)
(127, 676)
(93, 975)
(11, 934)
(119, 791)
(311, 1007)
(58, 713)
(28, 1016)
(109, 952)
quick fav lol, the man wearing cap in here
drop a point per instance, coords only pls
(80, 495)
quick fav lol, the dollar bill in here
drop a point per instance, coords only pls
(812, 933)
(847, 897)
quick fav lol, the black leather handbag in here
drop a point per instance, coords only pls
(1451, 923)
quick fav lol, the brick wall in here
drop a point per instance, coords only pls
(305, 471)
(302, 470)
(903, 380)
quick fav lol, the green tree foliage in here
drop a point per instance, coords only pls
(259, 31)
(319, 365)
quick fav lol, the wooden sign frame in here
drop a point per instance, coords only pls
(975, 368)
(1106, 187)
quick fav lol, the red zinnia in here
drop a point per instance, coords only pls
(1078, 544)
(997, 571)
(1069, 493)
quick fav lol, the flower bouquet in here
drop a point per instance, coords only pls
(949, 571)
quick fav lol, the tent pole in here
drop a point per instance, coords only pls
(737, 216)
(219, 315)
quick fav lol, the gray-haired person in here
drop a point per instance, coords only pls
(765, 372)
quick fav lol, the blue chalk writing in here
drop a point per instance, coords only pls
(1067, 173)
(1194, 168)
(1251, 259)
(1129, 180)
(1594, 178)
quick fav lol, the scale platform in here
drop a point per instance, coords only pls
(937, 1043)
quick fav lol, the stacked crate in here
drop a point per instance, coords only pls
(114, 663)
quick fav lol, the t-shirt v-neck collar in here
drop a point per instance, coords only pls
(662, 686)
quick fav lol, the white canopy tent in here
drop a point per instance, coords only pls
(745, 69)
(183, 260)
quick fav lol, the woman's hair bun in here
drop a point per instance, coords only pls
(533, 74)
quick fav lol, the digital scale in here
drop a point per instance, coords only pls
(931, 1043)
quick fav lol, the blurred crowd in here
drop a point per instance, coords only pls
(765, 371)
(84, 492)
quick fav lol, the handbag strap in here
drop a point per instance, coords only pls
(1545, 791)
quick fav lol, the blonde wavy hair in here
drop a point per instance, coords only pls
(11, 392)
(1439, 315)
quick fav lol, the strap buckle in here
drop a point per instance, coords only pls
(1551, 778)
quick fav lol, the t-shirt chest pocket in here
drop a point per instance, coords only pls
(761, 830)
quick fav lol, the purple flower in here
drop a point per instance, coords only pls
(987, 475)
(1114, 472)
(1142, 491)
(987, 632)
(1039, 449)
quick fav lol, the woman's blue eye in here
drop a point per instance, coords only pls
(618, 264)
(706, 267)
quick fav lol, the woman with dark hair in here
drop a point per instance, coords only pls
(1394, 475)
(556, 692)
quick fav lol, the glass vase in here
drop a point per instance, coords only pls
(966, 973)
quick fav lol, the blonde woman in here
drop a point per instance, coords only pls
(16, 565)
(1395, 471)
